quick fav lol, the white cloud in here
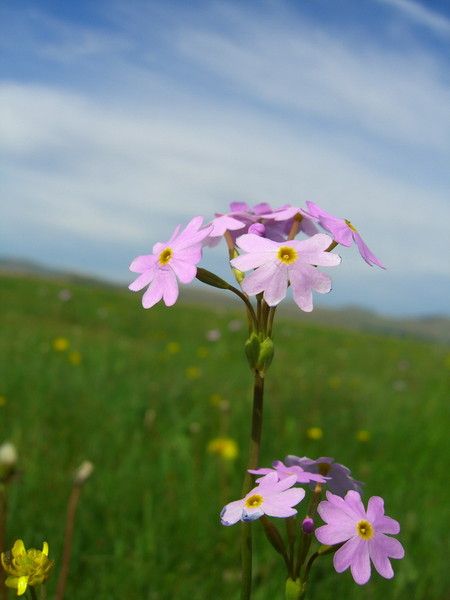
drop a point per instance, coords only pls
(422, 15)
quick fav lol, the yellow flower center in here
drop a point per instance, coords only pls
(166, 256)
(254, 501)
(287, 255)
(350, 225)
(364, 529)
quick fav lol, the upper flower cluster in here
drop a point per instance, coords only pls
(261, 240)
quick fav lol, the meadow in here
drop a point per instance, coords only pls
(142, 393)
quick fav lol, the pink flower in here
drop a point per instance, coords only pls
(364, 534)
(287, 213)
(278, 263)
(170, 260)
(343, 232)
(282, 471)
(271, 497)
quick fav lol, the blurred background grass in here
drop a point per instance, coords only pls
(142, 393)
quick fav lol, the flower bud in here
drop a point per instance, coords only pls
(308, 525)
(83, 473)
(257, 229)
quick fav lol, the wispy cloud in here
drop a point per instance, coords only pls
(421, 14)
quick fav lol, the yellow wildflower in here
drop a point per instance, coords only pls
(314, 433)
(173, 348)
(202, 352)
(215, 399)
(224, 447)
(25, 567)
(60, 344)
(74, 358)
(193, 373)
(363, 435)
(2, 400)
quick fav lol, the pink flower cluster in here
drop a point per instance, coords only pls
(266, 239)
(361, 536)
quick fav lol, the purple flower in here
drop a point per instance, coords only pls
(271, 497)
(170, 260)
(280, 263)
(340, 479)
(364, 534)
(343, 232)
(282, 471)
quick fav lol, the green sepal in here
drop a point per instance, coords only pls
(252, 348)
(209, 278)
(265, 354)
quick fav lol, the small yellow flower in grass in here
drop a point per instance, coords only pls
(363, 435)
(25, 567)
(193, 372)
(202, 352)
(215, 399)
(60, 344)
(173, 348)
(74, 358)
(224, 447)
(2, 400)
(314, 433)
(334, 382)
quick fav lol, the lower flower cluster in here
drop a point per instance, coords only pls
(357, 537)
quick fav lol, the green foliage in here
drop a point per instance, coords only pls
(144, 408)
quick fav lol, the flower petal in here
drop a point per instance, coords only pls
(276, 287)
(143, 280)
(343, 557)
(143, 263)
(184, 270)
(360, 565)
(251, 260)
(154, 292)
(365, 252)
(388, 545)
(255, 243)
(353, 499)
(232, 513)
(334, 533)
(170, 287)
(257, 281)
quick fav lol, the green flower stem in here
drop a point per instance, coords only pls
(253, 460)
(306, 538)
(33, 594)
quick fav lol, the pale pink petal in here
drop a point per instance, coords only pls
(249, 242)
(304, 279)
(143, 280)
(169, 282)
(353, 499)
(272, 508)
(174, 234)
(360, 566)
(375, 508)
(334, 533)
(266, 482)
(366, 253)
(225, 223)
(387, 545)
(321, 259)
(191, 234)
(252, 260)
(332, 514)
(386, 524)
(317, 243)
(232, 512)
(239, 207)
(185, 271)
(154, 292)
(340, 230)
(257, 281)
(342, 504)
(143, 263)
(343, 557)
(276, 287)
(192, 254)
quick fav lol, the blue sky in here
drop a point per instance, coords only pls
(121, 119)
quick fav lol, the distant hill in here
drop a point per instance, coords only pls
(429, 327)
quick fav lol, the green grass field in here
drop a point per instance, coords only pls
(144, 413)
